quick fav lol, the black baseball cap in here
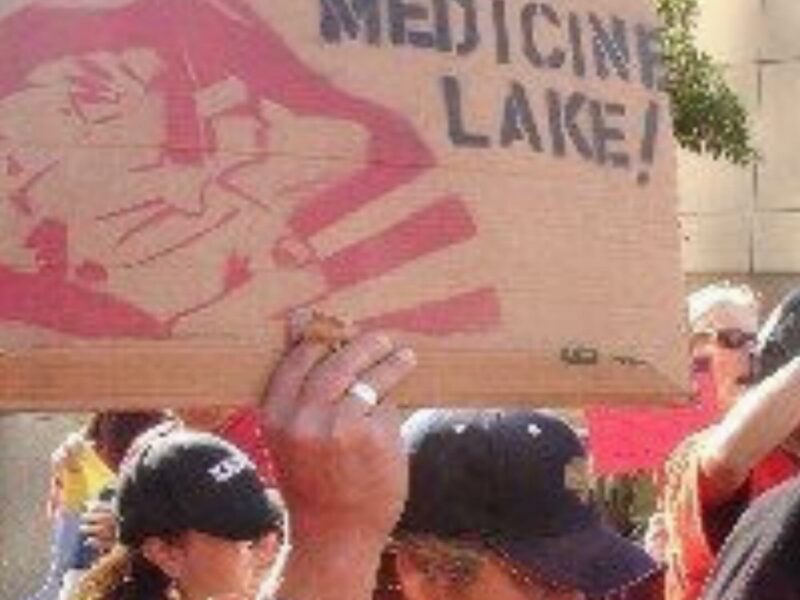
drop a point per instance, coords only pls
(760, 559)
(779, 338)
(188, 480)
(518, 482)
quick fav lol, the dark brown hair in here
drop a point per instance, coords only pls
(113, 432)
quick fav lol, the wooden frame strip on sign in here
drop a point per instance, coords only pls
(170, 374)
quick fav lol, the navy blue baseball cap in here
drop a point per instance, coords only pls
(779, 338)
(760, 559)
(188, 480)
(518, 482)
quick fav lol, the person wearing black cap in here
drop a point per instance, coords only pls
(191, 514)
(500, 507)
(191, 507)
(761, 558)
(716, 474)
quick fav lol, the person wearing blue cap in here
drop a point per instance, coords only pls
(500, 507)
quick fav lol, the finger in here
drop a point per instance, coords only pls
(356, 418)
(98, 519)
(370, 433)
(90, 520)
(101, 544)
(286, 381)
(94, 530)
(385, 418)
(99, 538)
(336, 373)
(98, 506)
(384, 376)
(388, 418)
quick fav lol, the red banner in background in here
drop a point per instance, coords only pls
(627, 440)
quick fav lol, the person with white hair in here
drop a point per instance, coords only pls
(723, 321)
(715, 474)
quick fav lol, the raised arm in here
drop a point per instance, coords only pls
(340, 461)
(761, 421)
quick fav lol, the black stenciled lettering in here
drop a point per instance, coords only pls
(459, 136)
(610, 45)
(441, 20)
(471, 38)
(501, 31)
(340, 18)
(575, 37)
(581, 356)
(555, 118)
(528, 18)
(605, 134)
(647, 152)
(629, 361)
(651, 62)
(402, 14)
(573, 108)
(565, 127)
(518, 123)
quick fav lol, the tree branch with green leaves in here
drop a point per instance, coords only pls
(708, 116)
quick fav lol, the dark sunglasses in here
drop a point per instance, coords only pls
(731, 339)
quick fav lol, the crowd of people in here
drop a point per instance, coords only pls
(327, 491)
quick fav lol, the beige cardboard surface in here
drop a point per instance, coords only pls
(494, 182)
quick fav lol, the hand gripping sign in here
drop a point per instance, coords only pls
(492, 180)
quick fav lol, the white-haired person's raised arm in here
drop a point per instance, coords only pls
(767, 414)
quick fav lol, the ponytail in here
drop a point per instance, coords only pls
(123, 574)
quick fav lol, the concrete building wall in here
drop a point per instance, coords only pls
(747, 220)
(26, 442)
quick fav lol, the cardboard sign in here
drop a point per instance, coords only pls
(492, 181)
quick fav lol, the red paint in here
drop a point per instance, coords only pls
(290, 252)
(91, 272)
(200, 43)
(19, 196)
(350, 195)
(237, 272)
(218, 224)
(150, 221)
(93, 88)
(431, 229)
(59, 305)
(122, 212)
(471, 312)
(48, 241)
